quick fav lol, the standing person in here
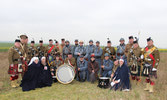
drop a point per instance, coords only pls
(75, 46)
(62, 46)
(45, 77)
(106, 66)
(120, 53)
(93, 68)
(16, 62)
(152, 57)
(41, 50)
(32, 52)
(31, 77)
(120, 79)
(134, 61)
(98, 54)
(90, 49)
(82, 69)
(129, 45)
(110, 50)
(80, 50)
(24, 47)
(51, 50)
(67, 49)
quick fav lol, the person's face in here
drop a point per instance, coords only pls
(36, 61)
(32, 44)
(150, 43)
(97, 44)
(131, 41)
(122, 42)
(108, 44)
(70, 56)
(90, 43)
(116, 62)
(17, 44)
(43, 60)
(26, 40)
(106, 57)
(67, 43)
(81, 59)
(22, 40)
(57, 57)
(76, 42)
(57, 44)
(135, 45)
(40, 44)
(50, 42)
(63, 42)
(121, 62)
(92, 58)
(81, 44)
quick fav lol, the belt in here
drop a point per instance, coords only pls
(16, 60)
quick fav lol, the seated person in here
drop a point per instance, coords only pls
(30, 78)
(54, 65)
(93, 69)
(70, 60)
(120, 79)
(106, 67)
(82, 69)
(45, 77)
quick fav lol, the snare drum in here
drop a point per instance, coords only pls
(65, 74)
(104, 82)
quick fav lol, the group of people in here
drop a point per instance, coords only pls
(89, 62)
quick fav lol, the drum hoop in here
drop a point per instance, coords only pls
(104, 77)
(70, 68)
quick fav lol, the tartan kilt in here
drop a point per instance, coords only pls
(13, 70)
(153, 74)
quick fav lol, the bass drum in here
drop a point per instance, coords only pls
(65, 74)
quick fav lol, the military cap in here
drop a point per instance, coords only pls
(23, 36)
(108, 41)
(50, 40)
(62, 39)
(67, 41)
(40, 41)
(90, 41)
(106, 54)
(122, 39)
(33, 41)
(17, 40)
(98, 42)
(76, 40)
(80, 41)
(69, 53)
(92, 55)
(81, 56)
(149, 39)
(57, 54)
(134, 42)
(130, 37)
(56, 41)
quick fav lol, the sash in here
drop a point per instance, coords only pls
(148, 53)
(51, 49)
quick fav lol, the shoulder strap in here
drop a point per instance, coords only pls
(51, 49)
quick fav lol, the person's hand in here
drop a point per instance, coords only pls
(79, 54)
(45, 68)
(12, 65)
(52, 69)
(116, 81)
(78, 69)
(154, 69)
(93, 71)
(52, 74)
(112, 75)
(102, 66)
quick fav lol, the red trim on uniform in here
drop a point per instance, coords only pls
(51, 48)
(147, 80)
(151, 56)
(152, 83)
(12, 78)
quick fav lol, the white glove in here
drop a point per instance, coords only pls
(154, 69)
(112, 84)
(142, 56)
(11, 65)
(45, 68)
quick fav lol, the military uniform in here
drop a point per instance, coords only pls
(66, 50)
(127, 49)
(120, 52)
(17, 64)
(81, 50)
(111, 51)
(134, 62)
(71, 62)
(41, 51)
(32, 52)
(151, 58)
(98, 54)
(51, 51)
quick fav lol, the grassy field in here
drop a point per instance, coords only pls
(82, 91)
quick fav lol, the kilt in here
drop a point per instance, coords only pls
(13, 70)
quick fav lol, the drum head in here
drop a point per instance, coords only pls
(65, 74)
(104, 78)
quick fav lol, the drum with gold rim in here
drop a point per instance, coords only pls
(65, 74)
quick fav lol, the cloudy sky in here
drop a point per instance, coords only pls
(84, 20)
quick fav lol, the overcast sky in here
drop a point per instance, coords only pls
(85, 20)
